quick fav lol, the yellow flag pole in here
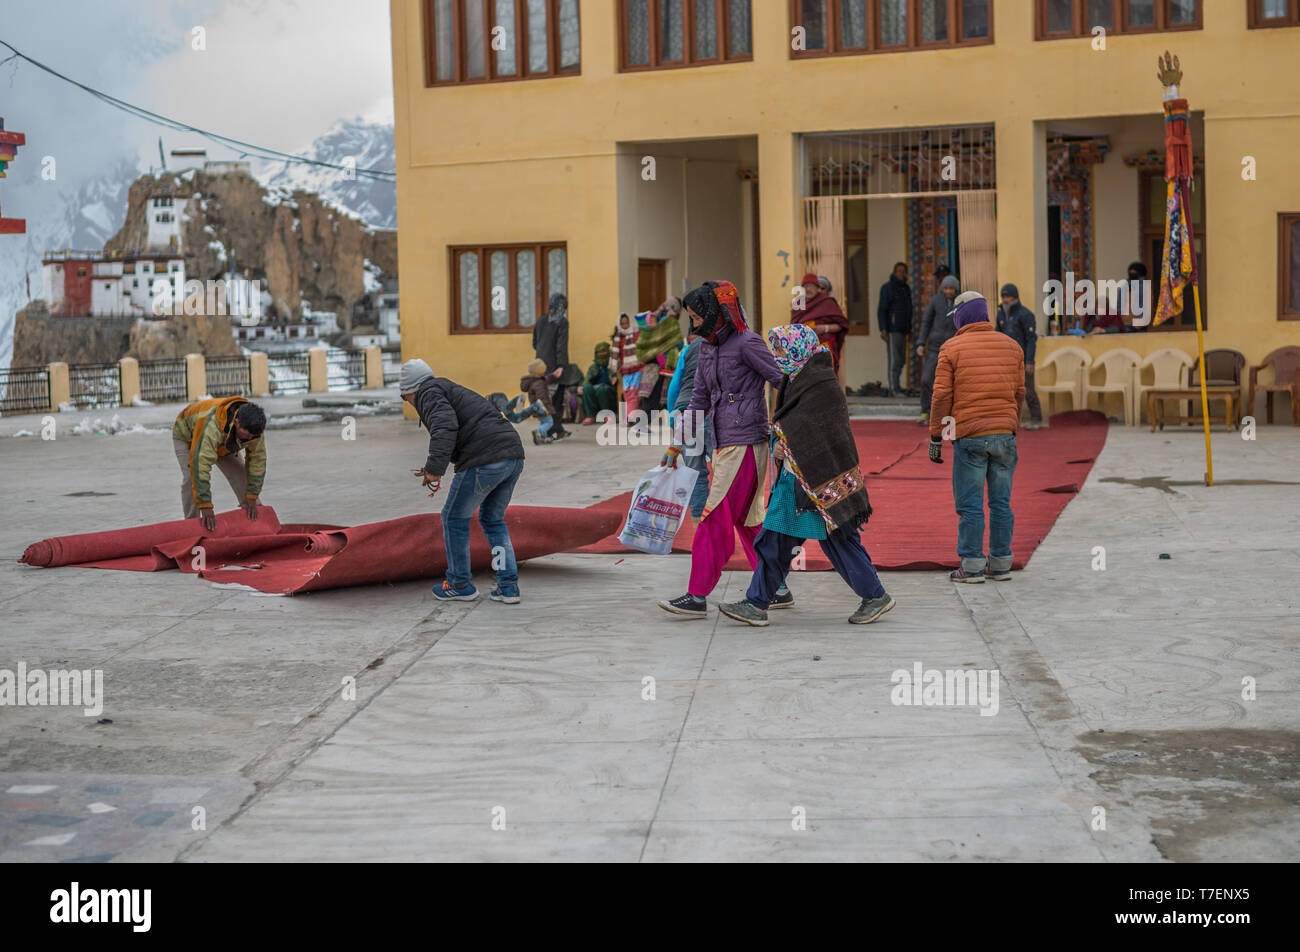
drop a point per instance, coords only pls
(1205, 401)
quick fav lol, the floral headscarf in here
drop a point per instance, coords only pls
(799, 343)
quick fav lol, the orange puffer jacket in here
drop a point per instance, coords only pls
(980, 383)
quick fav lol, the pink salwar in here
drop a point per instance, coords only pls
(715, 536)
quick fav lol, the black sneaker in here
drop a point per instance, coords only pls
(784, 598)
(871, 609)
(998, 576)
(538, 439)
(690, 605)
(560, 435)
(745, 611)
(961, 575)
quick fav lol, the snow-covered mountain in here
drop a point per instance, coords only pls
(369, 145)
(84, 218)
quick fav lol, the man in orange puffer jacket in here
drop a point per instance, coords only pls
(978, 387)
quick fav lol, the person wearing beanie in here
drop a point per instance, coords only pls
(822, 313)
(895, 318)
(979, 385)
(733, 365)
(533, 387)
(1018, 322)
(598, 390)
(467, 431)
(936, 329)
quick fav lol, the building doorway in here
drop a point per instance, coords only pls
(651, 283)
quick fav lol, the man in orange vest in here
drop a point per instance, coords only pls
(214, 432)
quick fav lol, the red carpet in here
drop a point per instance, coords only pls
(913, 524)
(287, 559)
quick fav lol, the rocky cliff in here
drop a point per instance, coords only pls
(40, 339)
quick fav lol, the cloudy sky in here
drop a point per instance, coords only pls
(277, 73)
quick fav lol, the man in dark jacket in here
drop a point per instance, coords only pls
(466, 430)
(895, 318)
(1018, 322)
(936, 329)
(551, 344)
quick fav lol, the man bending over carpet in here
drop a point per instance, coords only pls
(214, 432)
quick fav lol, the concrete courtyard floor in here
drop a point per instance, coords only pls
(1126, 727)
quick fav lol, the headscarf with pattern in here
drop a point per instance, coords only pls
(798, 341)
(718, 302)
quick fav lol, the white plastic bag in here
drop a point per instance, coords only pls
(658, 504)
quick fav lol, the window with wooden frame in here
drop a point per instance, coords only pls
(1288, 266)
(504, 288)
(481, 41)
(667, 34)
(1058, 19)
(1151, 228)
(1261, 14)
(849, 27)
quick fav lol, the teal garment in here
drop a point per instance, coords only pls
(782, 516)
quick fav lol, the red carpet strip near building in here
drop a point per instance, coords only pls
(913, 525)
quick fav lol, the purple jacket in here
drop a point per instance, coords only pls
(729, 387)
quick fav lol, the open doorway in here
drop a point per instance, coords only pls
(651, 283)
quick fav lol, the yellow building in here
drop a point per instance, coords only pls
(658, 143)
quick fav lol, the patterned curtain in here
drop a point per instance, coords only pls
(739, 27)
(853, 23)
(570, 35)
(475, 40)
(538, 50)
(638, 32)
(670, 30)
(526, 284)
(557, 281)
(444, 39)
(469, 303)
(504, 15)
(706, 29)
(934, 20)
(499, 275)
(893, 22)
(823, 242)
(977, 235)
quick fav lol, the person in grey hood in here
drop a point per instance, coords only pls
(551, 345)
(936, 328)
(469, 432)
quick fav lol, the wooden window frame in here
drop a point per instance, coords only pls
(1255, 19)
(722, 17)
(1284, 222)
(1187, 320)
(521, 74)
(835, 45)
(1119, 16)
(541, 289)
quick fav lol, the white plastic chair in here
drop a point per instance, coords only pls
(1168, 367)
(1116, 368)
(1070, 370)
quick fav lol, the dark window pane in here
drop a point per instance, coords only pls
(974, 19)
(475, 39)
(1273, 9)
(570, 35)
(1293, 271)
(813, 21)
(1060, 18)
(638, 32)
(934, 21)
(538, 41)
(443, 31)
(1182, 11)
(670, 31)
(853, 24)
(1141, 12)
(504, 17)
(706, 29)
(738, 28)
(893, 22)
(1100, 13)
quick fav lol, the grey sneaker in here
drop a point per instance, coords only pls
(871, 609)
(961, 575)
(745, 611)
(784, 598)
(996, 575)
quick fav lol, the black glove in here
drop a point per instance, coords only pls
(936, 450)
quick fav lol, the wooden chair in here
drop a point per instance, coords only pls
(1070, 370)
(1169, 368)
(1224, 370)
(1117, 367)
(1285, 362)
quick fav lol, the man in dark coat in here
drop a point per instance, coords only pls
(895, 318)
(936, 329)
(551, 344)
(466, 430)
(1018, 322)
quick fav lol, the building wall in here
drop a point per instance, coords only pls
(537, 160)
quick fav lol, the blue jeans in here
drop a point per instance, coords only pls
(486, 489)
(700, 463)
(977, 460)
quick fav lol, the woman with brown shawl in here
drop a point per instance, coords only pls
(822, 313)
(819, 492)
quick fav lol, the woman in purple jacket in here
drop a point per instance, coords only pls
(734, 363)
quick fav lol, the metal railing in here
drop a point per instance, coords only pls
(95, 385)
(392, 364)
(288, 374)
(229, 376)
(24, 390)
(164, 381)
(346, 370)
